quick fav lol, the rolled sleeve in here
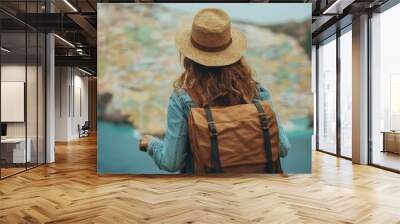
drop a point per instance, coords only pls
(169, 154)
(154, 144)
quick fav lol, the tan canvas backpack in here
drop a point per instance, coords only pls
(242, 138)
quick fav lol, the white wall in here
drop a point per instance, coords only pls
(12, 73)
(80, 110)
(71, 94)
(33, 126)
(62, 81)
(13, 100)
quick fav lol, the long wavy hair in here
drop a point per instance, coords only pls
(217, 86)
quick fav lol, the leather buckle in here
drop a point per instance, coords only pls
(264, 121)
(262, 114)
(212, 128)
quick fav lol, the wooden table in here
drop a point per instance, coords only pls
(391, 141)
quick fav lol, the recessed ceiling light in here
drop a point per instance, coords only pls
(64, 40)
(84, 71)
(337, 7)
(70, 5)
(5, 50)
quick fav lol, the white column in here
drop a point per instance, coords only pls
(360, 90)
(50, 92)
(50, 99)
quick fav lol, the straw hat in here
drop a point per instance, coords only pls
(211, 41)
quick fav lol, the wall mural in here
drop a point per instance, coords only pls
(138, 62)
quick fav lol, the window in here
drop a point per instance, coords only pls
(327, 96)
(385, 89)
(22, 87)
(346, 92)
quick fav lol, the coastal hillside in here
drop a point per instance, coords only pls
(138, 62)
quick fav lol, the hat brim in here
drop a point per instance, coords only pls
(228, 56)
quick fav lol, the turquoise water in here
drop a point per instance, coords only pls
(118, 152)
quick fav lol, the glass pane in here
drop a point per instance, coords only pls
(31, 98)
(41, 99)
(13, 86)
(327, 96)
(386, 89)
(346, 94)
(32, 89)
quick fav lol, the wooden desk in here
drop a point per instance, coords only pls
(391, 141)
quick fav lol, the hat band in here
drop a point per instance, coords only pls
(211, 49)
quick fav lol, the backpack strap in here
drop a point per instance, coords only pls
(258, 92)
(267, 140)
(215, 161)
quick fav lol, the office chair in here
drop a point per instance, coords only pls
(84, 130)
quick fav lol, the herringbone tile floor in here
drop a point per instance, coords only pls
(70, 191)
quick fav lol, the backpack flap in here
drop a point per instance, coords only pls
(239, 136)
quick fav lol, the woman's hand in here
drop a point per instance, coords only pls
(144, 142)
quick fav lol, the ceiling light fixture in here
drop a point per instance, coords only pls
(70, 5)
(84, 71)
(64, 40)
(337, 7)
(79, 51)
(331, 7)
(5, 50)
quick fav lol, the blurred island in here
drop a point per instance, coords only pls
(138, 61)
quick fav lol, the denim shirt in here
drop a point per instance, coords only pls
(173, 152)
